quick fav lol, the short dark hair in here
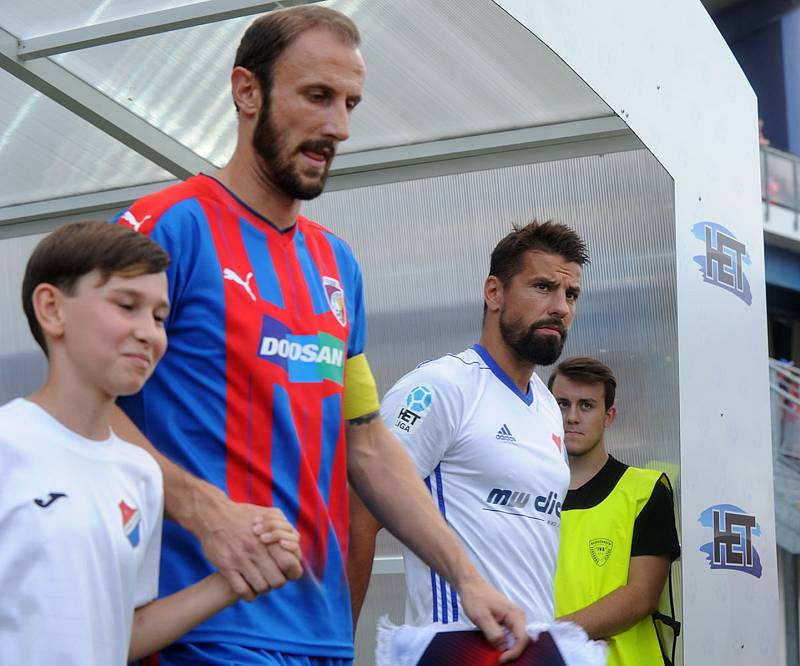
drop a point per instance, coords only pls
(270, 35)
(76, 249)
(587, 370)
(551, 237)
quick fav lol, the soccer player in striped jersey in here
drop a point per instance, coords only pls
(265, 397)
(487, 436)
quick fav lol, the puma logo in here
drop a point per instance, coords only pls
(45, 503)
(130, 218)
(228, 274)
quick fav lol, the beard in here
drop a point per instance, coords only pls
(276, 167)
(533, 347)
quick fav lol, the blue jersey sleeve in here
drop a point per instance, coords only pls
(350, 272)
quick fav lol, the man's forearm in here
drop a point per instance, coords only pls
(610, 615)
(625, 606)
(185, 495)
(361, 552)
(384, 477)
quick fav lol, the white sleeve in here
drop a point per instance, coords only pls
(152, 522)
(421, 409)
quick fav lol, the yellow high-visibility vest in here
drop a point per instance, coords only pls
(594, 557)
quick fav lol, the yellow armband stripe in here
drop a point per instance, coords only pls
(360, 391)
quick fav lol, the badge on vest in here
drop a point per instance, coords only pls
(600, 550)
(335, 295)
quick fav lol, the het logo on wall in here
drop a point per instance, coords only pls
(724, 261)
(732, 545)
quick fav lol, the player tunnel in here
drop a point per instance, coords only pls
(628, 120)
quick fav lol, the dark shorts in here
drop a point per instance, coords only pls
(226, 654)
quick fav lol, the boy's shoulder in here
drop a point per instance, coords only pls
(29, 432)
(18, 421)
(137, 458)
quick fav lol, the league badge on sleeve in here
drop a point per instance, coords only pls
(335, 295)
(415, 407)
(131, 518)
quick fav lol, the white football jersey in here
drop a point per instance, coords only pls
(81, 525)
(494, 461)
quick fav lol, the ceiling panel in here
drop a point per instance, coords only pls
(48, 152)
(42, 17)
(435, 70)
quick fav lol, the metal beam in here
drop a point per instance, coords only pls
(79, 204)
(389, 564)
(200, 13)
(530, 145)
(481, 144)
(371, 167)
(101, 111)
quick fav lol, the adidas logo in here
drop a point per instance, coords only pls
(504, 434)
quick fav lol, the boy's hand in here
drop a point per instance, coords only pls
(282, 539)
(225, 530)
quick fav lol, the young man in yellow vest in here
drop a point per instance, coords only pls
(618, 535)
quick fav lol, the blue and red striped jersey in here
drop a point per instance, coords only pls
(249, 396)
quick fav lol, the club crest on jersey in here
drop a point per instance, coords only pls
(131, 519)
(600, 550)
(335, 295)
(416, 405)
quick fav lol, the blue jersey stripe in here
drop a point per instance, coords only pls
(331, 424)
(285, 455)
(440, 496)
(312, 275)
(433, 573)
(256, 245)
(454, 603)
(350, 276)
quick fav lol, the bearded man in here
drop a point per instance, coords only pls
(486, 435)
(249, 407)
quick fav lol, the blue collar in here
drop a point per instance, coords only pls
(527, 398)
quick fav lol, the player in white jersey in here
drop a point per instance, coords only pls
(492, 459)
(487, 436)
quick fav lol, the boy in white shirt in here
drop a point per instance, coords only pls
(81, 509)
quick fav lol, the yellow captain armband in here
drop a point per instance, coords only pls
(360, 391)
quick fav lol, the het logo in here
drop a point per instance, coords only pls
(724, 260)
(417, 405)
(732, 544)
